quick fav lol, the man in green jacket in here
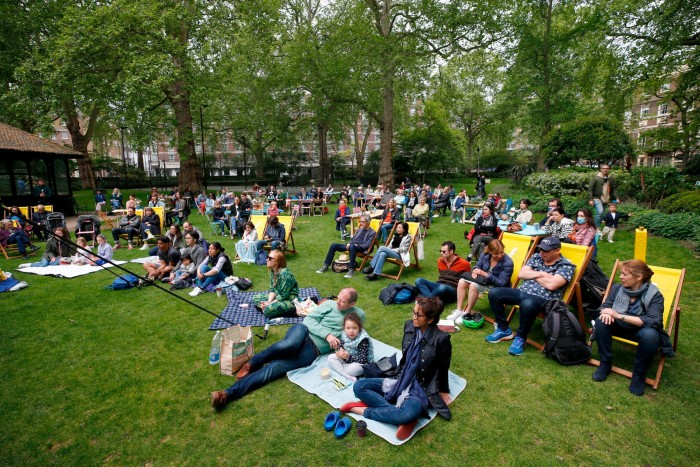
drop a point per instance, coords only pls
(318, 335)
(601, 191)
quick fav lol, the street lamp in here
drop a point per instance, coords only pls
(126, 178)
(201, 127)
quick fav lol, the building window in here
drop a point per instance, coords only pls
(657, 161)
(64, 135)
(644, 112)
(628, 116)
(171, 157)
(665, 87)
(663, 109)
(641, 141)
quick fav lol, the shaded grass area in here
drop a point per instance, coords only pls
(97, 376)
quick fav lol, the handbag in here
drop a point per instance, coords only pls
(385, 367)
(305, 307)
(420, 250)
(236, 348)
(243, 283)
(481, 280)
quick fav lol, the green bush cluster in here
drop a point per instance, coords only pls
(685, 201)
(649, 185)
(559, 183)
(681, 226)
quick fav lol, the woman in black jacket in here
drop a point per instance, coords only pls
(422, 380)
(484, 230)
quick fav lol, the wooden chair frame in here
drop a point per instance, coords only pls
(413, 230)
(671, 289)
(288, 222)
(579, 255)
(374, 224)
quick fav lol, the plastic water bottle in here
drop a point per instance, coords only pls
(215, 352)
(276, 320)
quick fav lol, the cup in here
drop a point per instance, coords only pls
(219, 291)
(361, 428)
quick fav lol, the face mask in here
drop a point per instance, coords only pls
(581, 220)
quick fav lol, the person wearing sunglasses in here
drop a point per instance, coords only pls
(361, 241)
(279, 300)
(544, 277)
(450, 268)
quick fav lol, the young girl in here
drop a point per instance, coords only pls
(355, 349)
(82, 254)
(104, 250)
(184, 273)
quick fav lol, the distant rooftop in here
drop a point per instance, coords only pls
(14, 139)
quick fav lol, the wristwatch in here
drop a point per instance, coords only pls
(622, 317)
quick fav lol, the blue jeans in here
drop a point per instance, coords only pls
(336, 247)
(209, 280)
(384, 231)
(380, 258)
(370, 392)
(45, 262)
(273, 244)
(427, 288)
(647, 339)
(530, 306)
(221, 223)
(296, 350)
(20, 238)
(598, 207)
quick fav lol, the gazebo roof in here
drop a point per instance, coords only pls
(14, 139)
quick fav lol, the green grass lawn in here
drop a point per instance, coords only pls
(93, 376)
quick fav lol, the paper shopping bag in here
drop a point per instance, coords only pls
(236, 348)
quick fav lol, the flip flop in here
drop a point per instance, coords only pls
(331, 420)
(343, 427)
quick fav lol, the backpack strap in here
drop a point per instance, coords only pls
(556, 324)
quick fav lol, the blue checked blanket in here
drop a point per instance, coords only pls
(249, 316)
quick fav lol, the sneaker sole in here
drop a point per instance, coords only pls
(515, 354)
(507, 338)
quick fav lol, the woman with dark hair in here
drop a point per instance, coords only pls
(584, 229)
(484, 230)
(397, 249)
(422, 380)
(634, 309)
(279, 300)
(246, 246)
(274, 235)
(389, 218)
(57, 246)
(215, 268)
(524, 215)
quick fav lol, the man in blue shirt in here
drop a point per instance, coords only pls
(360, 242)
(545, 277)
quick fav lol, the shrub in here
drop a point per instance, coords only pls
(650, 185)
(559, 183)
(680, 226)
(685, 201)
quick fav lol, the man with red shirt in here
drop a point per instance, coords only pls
(450, 268)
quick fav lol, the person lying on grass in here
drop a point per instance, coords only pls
(319, 334)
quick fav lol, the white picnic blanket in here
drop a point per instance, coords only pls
(309, 379)
(67, 271)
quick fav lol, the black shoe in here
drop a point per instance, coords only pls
(35, 247)
(372, 277)
(24, 256)
(638, 383)
(602, 372)
(367, 270)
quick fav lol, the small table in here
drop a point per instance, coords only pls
(471, 210)
(528, 230)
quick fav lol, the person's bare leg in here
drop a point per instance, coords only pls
(473, 297)
(461, 294)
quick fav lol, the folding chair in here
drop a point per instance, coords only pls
(374, 224)
(670, 283)
(288, 223)
(413, 230)
(215, 227)
(519, 248)
(579, 255)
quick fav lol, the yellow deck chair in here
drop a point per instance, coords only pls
(374, 224)
(259, 222)
(519, 248)
(579, 255)
(413, 228)
(288, 223)
(670, 283)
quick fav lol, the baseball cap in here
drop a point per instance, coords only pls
(549, 243)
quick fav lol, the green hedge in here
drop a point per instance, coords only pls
(685, 201)
(681, 226)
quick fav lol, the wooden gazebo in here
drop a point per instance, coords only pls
(25, 159)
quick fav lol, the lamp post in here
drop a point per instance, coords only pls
(201, 127)
(126, 178)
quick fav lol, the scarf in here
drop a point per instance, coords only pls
(622, 303)
(408, 374)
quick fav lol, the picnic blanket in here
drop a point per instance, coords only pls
(249, 316)
(309, 379)
(66, 271)
(144, 259)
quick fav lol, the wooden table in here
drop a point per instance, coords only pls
(469, 212)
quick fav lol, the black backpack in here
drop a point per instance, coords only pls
(388, 294)
(564, 338)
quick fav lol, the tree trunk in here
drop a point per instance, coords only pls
(80, 143)
(361, 147)
(546, 84)
(139, 151)
(259, 152)
(190, 172)
(386, 130)
(322, 129)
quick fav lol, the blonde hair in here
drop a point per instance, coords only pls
(637, 267)
(494, 247)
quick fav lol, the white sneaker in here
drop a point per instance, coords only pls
(196, 292)
(150, 236)
(144, 247)
(436, 215)
(454, 220)
(455, 315)
(25, 265)
(610, 241)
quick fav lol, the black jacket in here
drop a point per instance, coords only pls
(432, 374)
